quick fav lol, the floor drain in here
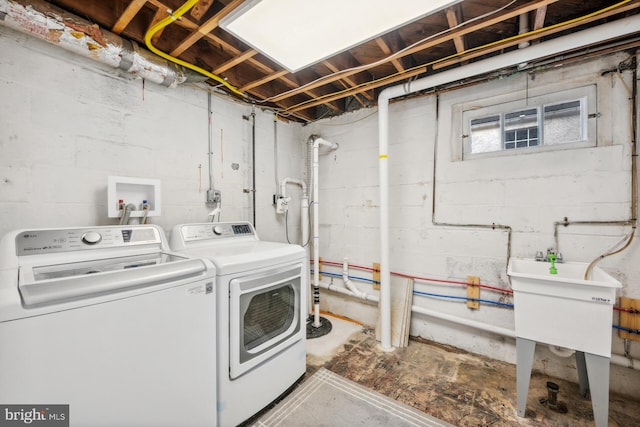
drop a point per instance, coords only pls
(551, 401)
(320, 331)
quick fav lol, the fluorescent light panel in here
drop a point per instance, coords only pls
(298, 33)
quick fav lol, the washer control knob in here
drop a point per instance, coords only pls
(217, 230)
(91, 237)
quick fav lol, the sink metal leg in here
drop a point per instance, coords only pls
(583, 377)
(598, 371)
(524, 362)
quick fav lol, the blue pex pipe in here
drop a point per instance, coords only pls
(364, 279)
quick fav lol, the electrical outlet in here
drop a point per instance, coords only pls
(213, 196)
(282, 205)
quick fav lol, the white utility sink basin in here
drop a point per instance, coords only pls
(563, 309)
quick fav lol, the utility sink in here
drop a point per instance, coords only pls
(563, 309)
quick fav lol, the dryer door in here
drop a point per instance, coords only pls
(264, 311)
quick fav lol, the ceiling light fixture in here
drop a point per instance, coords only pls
(297, 33)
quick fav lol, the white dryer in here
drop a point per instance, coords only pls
(262, 294)
(107, 321)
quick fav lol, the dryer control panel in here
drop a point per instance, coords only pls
(37, 242)
(220, 230)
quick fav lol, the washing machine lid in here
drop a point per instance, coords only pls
(56, 266)
(45, 284)
(238, 257)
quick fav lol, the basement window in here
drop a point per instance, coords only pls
(558, 120)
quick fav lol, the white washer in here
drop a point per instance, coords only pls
(262, 296)
(105, 320)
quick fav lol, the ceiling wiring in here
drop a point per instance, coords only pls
(173, 16)
(393, 55)
(285, 111)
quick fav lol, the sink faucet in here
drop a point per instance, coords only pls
(542, 258)
(552, 259)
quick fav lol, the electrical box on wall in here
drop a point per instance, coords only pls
(123, 190)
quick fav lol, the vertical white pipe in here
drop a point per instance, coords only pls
(304, 224)
(304, 221)
(384, 306)
(316, 228)
(523, 28)
(316, 240)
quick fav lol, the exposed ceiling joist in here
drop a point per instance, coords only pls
(200, 9)
(466, 31)
(131, 11)
(454, 19)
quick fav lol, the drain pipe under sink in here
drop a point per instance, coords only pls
(577, 40)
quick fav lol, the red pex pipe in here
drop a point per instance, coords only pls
(425, 279)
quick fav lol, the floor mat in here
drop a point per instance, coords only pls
(327, 399)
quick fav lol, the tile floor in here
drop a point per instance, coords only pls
(460, 388)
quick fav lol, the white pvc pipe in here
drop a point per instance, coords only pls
(348, 283)
(316, 226)
(285, 181)
(616, 359)
(304, 224)
(549, 48)
(345, 291)
(465, 322)
(523, 28)
(385, 272)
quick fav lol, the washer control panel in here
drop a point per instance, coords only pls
(35, 242)
(211, 231)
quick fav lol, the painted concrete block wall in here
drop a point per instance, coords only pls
(67, 123)
(528, 192)
(289, 142)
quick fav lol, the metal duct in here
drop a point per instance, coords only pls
(56, 26)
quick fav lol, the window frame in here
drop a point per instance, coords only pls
(586, 95)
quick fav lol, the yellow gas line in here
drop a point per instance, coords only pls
(173, 16)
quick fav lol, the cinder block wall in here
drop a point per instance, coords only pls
(67, 123)
(527, 192)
